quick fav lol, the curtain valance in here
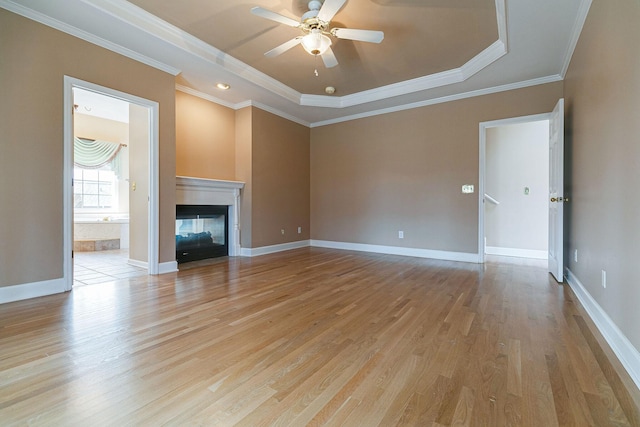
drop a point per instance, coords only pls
(90, 154)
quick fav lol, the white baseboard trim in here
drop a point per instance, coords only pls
(397, 250)
(31, 290)
(136, 263)
(264, 250)
(515, 252)
(168, 267)
(619, 343)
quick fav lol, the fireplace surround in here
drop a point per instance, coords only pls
(214, 192)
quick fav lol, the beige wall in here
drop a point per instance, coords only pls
(602, 92)
(33, 63)
(404, 171)
(91, 127)
(266, 152)
(280, 180)
(205, 138)
(243, 171)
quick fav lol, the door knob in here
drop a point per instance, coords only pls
(559, 199)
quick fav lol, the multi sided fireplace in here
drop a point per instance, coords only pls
(201, 232)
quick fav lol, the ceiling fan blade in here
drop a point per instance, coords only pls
(283, 47)
(359, 35)
(329, 58)
(281, 19)
(329, 9)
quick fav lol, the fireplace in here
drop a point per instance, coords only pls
(202, 231)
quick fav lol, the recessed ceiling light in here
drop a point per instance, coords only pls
(223, 86)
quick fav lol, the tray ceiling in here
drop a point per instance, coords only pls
(433, 50)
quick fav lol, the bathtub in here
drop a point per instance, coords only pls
(86, 228)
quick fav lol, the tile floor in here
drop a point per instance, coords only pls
(91, 268)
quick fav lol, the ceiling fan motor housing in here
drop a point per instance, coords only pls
(312, 13)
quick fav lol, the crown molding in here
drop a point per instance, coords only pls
(485, 58)
(443, 99)
(471, 94)
(273, 111)
(583, 11)
(162, 30)
(86, 36)
(205, 96)
(241, 105)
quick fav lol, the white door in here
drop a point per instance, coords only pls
(556, 191)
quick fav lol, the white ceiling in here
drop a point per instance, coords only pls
(105, 107)
(534, 45)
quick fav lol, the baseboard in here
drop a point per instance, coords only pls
(136, 263)
(31, 290)
(621, 346)
(515, 252)
(264, 250)
(168, 267)
(397, 250)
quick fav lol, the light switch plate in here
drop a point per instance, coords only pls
(467, 189)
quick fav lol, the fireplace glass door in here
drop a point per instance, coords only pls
(201, 232)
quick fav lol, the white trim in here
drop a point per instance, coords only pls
(277, 112)
(516, 252)
(156, 27)
(32, 290)
(441, 100)
(264, 250)
(202, 191)
(86, 36)
(168, 267)
(482, 144)
(154, 192)
(241, 105)
(623, 349)
(581, 17)
(205, 96)
(154, 184)
(67, 185)
(138, 263)
(397, 250)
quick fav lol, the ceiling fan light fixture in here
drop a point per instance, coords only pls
(315, 42)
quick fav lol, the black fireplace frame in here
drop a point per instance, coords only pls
(204, 252)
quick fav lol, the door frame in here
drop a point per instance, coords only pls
(153, 211)
(482, 166)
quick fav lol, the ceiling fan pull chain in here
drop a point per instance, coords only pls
(316, 70)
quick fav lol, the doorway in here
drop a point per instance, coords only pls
(513, 188)
(105, 139)
(112, 198)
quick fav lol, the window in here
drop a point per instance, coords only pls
(95, 189)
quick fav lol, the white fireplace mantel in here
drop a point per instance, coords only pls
(200, 191)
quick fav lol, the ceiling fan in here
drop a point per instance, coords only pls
(315, 26)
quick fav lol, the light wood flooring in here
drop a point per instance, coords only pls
(313, 337)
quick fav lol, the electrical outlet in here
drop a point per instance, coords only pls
(282, 231)
(604, 279)
(299, 230)
(575, 256)
(467, 189)
(400, 234)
